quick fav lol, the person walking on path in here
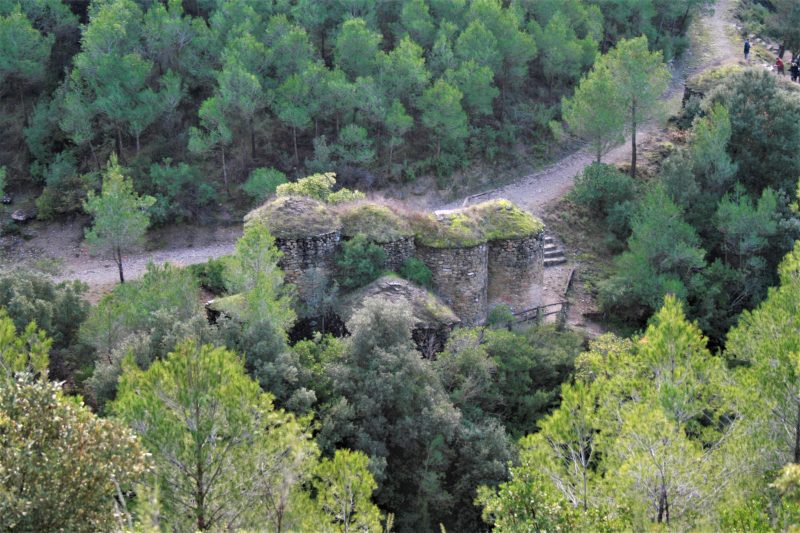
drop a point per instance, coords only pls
(779, 67)
(794, 70)
(747, 50)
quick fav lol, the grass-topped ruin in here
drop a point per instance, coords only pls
(379, 223)
(295, 217)
(465, 249)
(474, 225)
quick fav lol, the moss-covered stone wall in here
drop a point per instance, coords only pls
(460, 278)
(301, 254)
(516, 270)
(398, 252)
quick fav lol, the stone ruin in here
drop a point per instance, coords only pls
(305, 230)
(480, 256)
(516, 271)
(433, 320)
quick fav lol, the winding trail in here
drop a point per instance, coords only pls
(61, 245)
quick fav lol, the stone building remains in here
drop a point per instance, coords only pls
(479, 256)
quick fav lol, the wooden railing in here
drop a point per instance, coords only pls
(541, 312)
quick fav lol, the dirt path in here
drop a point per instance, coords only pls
(61, 245)
(60, 248)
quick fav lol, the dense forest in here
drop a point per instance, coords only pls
(146, 410)
(194, 96)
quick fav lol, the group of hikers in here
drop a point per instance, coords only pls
(780, 68)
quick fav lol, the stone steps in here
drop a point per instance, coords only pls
(553, 253)
(554, 261)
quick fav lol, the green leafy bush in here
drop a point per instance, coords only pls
(608, 194)
(178, 191)
(319, 187)
(416, 271)
(210, 275)
(500, 315)
(354, 146)
(2, 180)
(262, 182)
(601, 186)
(64, 189)
(58, 309)
(359, 262)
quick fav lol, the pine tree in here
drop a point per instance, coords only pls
(120, 215)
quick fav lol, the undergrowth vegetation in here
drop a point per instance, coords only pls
(713, 225)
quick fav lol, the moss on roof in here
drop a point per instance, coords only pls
(448, 230)
(232, 306)
(504, 220)
(378, 222)
(427, 309)
(295, 217)
(474, 225)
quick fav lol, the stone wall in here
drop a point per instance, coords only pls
(301, 254)
(397, 252)
(516, 271)
(460, 278)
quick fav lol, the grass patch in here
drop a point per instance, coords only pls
(377, 222)
(471, 226)
(295, 217)
(49, 265)
(503, 220)
(448, 230)
(234, 306)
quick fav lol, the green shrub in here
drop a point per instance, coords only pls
(319, 187)
(262, 182)
(602, 186)
(609, 194)
(2, 180)
(354, 146)
(323, 156)
(65, 189)
(416, 271)
(8, 227)
(691, 110)
(500, 315)
(178, 191)
(360, 262)
(58, 309)
(210, 275)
